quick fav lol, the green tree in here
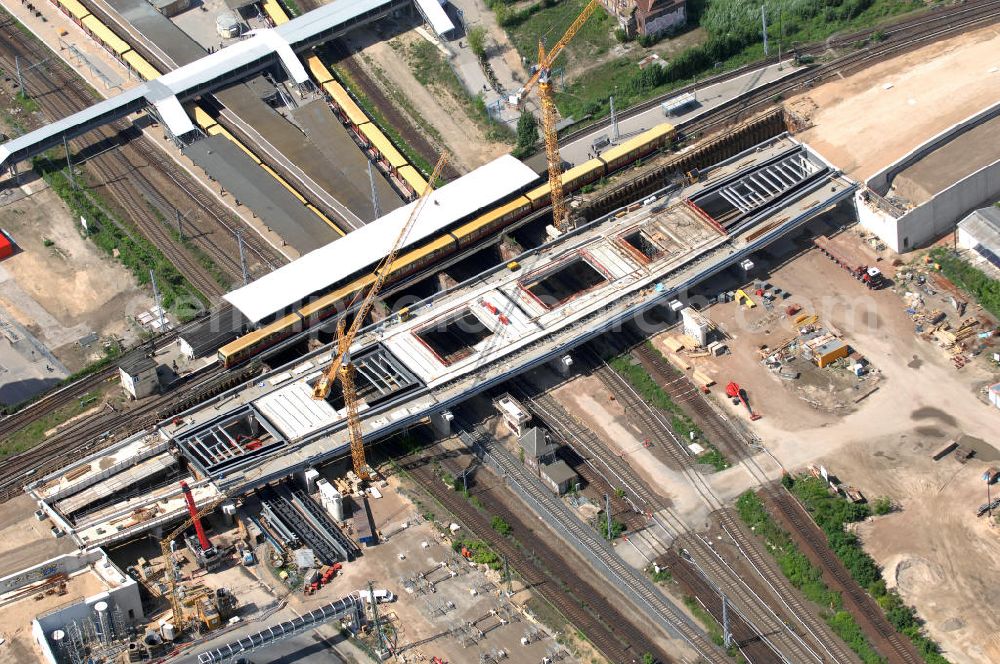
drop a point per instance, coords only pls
(477, 41)
(500, 525)
(527, 134)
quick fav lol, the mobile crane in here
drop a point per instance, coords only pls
(542, 77)
(341, 366)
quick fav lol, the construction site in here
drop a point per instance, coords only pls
(679, 387)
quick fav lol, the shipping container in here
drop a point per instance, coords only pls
(6, 247)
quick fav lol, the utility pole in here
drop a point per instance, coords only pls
(376, 210)
(763, 20)
(69, 162)
(607, 513)
(383, 645)
(243, 256)
(614, 120)
(156, 298)
(781, 35)
(20, 79)
(727, 636)
(507, 577)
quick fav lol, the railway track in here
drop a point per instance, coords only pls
(53, 400)
(586, 608)
(123, 170)
(735, 445)
(771, 636)
(636, 585)
(896, 37)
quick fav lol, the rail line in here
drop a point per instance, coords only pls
(61, 92)
(725, 435)
(587, 609)
(773, 638)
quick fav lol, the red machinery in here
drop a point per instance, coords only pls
(206, 545)
(738, 394)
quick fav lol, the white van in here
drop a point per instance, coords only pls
(381, 595)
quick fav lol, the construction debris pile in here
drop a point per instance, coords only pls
(930, 298)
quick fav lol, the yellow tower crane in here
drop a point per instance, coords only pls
(542, 77)
(341, 365)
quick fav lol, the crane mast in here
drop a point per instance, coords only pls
(341, 366)
(542, 76)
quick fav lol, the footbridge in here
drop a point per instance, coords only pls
(261, 50)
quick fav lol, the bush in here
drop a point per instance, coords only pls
(882, 505)
(477, 41)
(527, 134)
(976, 283)
(617, 527)
(500, 525)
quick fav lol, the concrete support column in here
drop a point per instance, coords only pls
(442, 422)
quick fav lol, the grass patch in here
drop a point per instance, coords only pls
(433, 71)
(649, 390)
(32, 434)
(805, 576)
(134, 251)
(733, 29)
(617, 527)
(831, 513)
(985, 290)
(547, 20)
(707, 620)
(28, 104)
(715, 459)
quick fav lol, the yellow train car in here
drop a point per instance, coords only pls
(108, 39)
(74, 9)
(487, 223)
(203, 119)
(378, 142)
(638, 147)
(350, 111)
(252, 343)
(141, 66)
(275, 12)
(572, 179)
(414, 181)
(318, 70)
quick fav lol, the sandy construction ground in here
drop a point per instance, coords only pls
(871, 118)
(941, 556)
(60, 286)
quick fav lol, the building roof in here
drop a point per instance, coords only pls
(536, 443)
(365, 247)
(136, 365)
(984, 226)
(206, 73)
(558, 471)
(647, 6)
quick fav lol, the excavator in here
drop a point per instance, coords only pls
(341, 366)
(739, 395)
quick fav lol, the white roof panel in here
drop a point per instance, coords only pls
(434, 13)
(364, 247)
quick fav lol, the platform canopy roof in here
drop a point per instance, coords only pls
(321, 269)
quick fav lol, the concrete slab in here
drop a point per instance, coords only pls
(25, 541)
(351, 191)
(253, 187)
(959, 158)
(332, 139)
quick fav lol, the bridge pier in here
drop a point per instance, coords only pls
(442, 422)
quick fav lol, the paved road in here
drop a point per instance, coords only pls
(708, 97)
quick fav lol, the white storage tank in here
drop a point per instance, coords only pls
(228, 25)
(103, 622)
(168, 632)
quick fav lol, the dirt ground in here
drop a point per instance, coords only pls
(386, 62)
(882, 445)
(68, 289)
(906, 101)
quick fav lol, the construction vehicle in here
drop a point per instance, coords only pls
(171, 572)
(341, 365)
(542, 76)
(869, 276)
(739, 395)
(204, 551)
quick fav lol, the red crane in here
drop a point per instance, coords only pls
(193, 510)
(734, 391)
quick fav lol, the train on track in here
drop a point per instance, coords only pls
(462, 234)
